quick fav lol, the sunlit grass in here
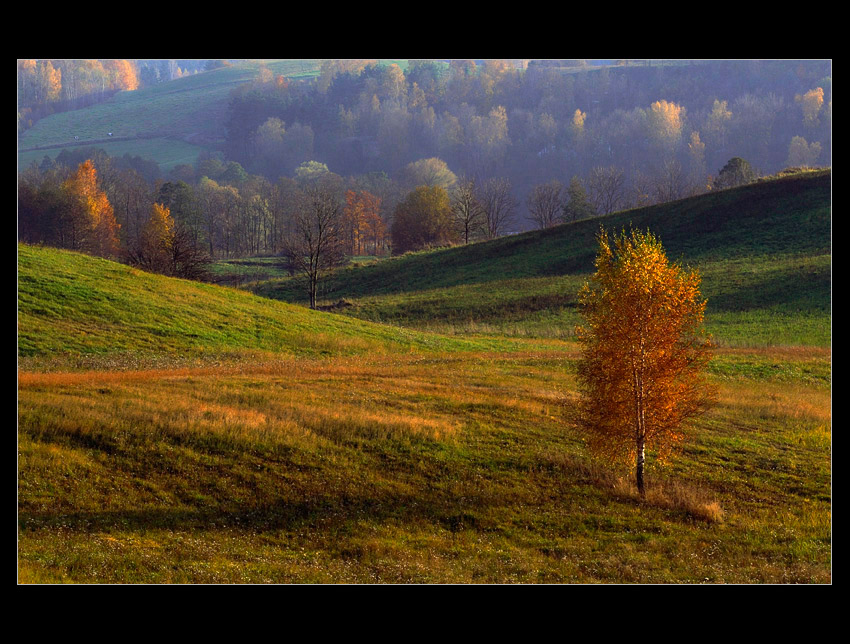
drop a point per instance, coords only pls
(420, 468)
(182, 433)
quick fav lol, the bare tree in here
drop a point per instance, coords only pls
(499, 205)
(671, 183)
(315, 244)
(606, 187)
(187, 259)
(466, 208)
(545, 204)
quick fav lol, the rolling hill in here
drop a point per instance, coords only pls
(74, 305)
(764, 251)
(170, 123)
(177, 432)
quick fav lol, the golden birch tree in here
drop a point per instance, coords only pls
(642, 368)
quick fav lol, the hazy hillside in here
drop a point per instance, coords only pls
(764, 249)
(171, 122)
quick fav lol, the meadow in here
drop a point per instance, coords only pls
(446, 467)
(170, 123)
(176, 432)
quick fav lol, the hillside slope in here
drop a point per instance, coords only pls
(71, 304)
(169, 123)
(764, 251)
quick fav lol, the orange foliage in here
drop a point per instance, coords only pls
(363, 223)
(94, 228)
(122, 74)
(643, 350)
(157, 239)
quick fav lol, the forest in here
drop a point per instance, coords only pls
(437, 153)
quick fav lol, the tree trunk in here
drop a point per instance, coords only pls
(313, 288)
(641, 459)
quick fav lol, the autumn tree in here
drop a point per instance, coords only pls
(375, 229)
(577, 124)
(153, 248)
(665, 122)
(91, 223)
(168, 247)
(644, 354)
(361, 221)
(423, 219)
(811, 102)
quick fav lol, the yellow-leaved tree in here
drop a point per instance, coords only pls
(644, 353)
(157, 240)
(90, 224)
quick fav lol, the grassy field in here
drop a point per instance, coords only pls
(158, 123)
(175, 432)
(409, 468)
(74, 308)
(170, 123)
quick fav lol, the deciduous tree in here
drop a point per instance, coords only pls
(606, 187)
(545, 204)
(422, 219)
(361, 220)
(801, 153)
(642, 367)
(811, 102)
(428, 172)
(315, 243)
(153, 249)
(466, 208)
(499, 205)
(93, 228)
(665, 122)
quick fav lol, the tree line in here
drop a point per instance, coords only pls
(272, 193)
(120, 208)
(661, 131)
(86, 201)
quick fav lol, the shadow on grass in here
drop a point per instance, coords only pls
(284, 515)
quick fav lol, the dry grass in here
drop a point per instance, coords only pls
(404, 468)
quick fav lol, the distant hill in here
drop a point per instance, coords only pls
(764, 250)
(170, 123)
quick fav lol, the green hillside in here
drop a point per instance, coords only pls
(71, 304)
(764, 251)
(170, 123)
(177, 432)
